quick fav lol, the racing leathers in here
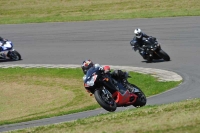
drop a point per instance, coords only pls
(115, 76)
(138, 44)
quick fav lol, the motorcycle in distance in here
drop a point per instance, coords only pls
(153, 50)
(11, 53)
(99, 83)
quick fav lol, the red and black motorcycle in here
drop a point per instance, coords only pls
(101, 85)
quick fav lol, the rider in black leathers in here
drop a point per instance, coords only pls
(116, 74)
(137, 42)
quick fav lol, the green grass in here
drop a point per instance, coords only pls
(180, 117)
(35, 93)
(38, 11)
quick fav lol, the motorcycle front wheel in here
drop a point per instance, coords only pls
(164, 55)
(14, 55)
(108, 104)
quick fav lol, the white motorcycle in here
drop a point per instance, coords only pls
(11, 53)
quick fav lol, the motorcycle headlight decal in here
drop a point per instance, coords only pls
(91, 81)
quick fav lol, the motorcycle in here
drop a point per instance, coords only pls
(150, 50)
(101, 85)
(11, 53)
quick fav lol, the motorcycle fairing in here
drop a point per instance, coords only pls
(126, 99)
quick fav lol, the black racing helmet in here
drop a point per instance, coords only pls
(86, 65)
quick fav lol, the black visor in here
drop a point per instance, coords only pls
(138, 34)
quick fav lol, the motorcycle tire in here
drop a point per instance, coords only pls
(164, 55)
(98, 94)
(141, 100)
(149, 59)
(14, 55)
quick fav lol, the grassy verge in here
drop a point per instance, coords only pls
(182, 117)
(35, 93)
(37, 11)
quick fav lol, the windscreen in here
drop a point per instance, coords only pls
(90, 72)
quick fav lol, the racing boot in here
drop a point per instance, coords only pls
(125, 82)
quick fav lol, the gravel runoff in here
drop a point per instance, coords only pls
(162, 75)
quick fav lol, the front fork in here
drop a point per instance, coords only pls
(106, 92)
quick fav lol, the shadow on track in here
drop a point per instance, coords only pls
(156, 61)
(8, 60)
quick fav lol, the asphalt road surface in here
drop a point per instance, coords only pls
(107, 43)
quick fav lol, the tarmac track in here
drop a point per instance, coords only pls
(107, 43)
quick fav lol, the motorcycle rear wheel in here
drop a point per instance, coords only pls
(141, 100)
(109, 105)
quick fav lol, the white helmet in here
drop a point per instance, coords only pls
(138, 33)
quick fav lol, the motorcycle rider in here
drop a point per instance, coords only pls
(4, 46)
(138, 43)
(116, 74)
